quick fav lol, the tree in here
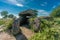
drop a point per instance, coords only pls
(56, 12)
(11, 16)
(35, 11)
(4, 14)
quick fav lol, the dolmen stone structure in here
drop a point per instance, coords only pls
(36, 24)
(15, 27)
(24, 20)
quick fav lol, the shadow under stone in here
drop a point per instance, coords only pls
(20, 37)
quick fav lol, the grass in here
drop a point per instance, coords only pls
(7, 23)
(1, 22)
(50, 30)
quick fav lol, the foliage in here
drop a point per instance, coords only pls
(56, 12)
(47, 34)
(35, 15)
(4, 14)
(1, 22)
(31, 20)
(11, 16)
(8, 24)
(49, 30)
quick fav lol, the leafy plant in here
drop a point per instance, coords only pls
(1, 22)
(56, 12)
(49, 30)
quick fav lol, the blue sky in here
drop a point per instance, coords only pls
(44, 7)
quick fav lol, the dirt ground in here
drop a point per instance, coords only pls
(6, 36)
(25, 35)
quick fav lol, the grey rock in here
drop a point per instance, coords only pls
(36, 24)
(15, 27)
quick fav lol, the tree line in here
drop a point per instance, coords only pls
(5, 14)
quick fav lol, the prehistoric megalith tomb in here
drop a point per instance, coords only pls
(22, 20)
(25, 15)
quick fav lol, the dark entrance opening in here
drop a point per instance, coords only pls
(25, 16)
(25, 19)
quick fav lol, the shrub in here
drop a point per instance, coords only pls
(50, 30)
(1, 22)
(8, 24)
(48, 34)
(35, 24)
(31, 23)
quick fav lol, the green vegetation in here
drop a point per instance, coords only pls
(11, 16)
(1, 22)
(31, 23)
(7, 23)
(56, 12)
(5, 14)
(35, 11)
(49, 29)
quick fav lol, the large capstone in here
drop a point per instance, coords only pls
(25, 16)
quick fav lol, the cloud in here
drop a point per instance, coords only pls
(19, 5)
(43, 4)
(16, 15)
(42, 13)
(0, 16)
(54, 6)
(13, 2)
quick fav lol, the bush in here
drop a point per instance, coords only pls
(1, 22)
(8, 24)
(48, 34)
(35, 24)
(50, 30)
(56, 12)
(31, 23)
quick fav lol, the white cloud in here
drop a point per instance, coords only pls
(20, 5)
(14, 2)
(0, 16)
(44, 4)
(54, 6)
(42, 13)
(16, 15)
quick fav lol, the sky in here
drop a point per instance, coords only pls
(44, 7)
